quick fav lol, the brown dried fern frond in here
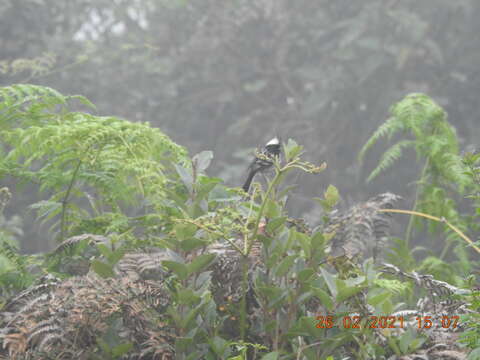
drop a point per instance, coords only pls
(440, 292)
(75, 312)
(75, 240)
(143, 265)
(362, 230)
(42, 286)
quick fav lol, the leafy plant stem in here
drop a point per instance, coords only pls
(411, 222)
(213, 232)
(65, 200)
(301, 349)
(271, 185)
(250, 240)
(446, 248)
(243, 301)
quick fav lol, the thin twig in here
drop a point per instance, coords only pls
(435, 218)
(420, 182)
(205, 228)
(65, 200)
(302, 348)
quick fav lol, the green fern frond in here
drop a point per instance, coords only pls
(418, 112)
(388, 128)
(389, 157)
(22, 93)
(12, 254)
(456, 173)
(435, 140)
(392, 285)
(67, 153)
(18, 100)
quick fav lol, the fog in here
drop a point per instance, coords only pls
(227, 76)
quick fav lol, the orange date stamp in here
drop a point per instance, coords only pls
(384, 322)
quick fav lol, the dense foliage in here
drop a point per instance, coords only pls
(443, 181)
(223, 75)
(157, 260)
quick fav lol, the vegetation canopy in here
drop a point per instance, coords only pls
(157, 260)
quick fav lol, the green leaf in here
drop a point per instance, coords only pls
(405, 340)
(305, 326)
(47, 209)
(205, 185)
(378, 299)
(317, 245)
(389, 157)
(218, 345)
(186, 176)
(179, 269)
(104, 346)
(188, 321)
(330, 281)
(331, 196)
(275, 223)
(271, 356)
(304, 297)
(177, 317)
(305, 274)
(202, 160)
(116, 256)
(184, 231)
(191, 244)
(272, 209)
(292, 150)
(393, 345)
(273, 258)
(121, 349)
(104, 250)
(285, 265)
(474, 355)
(345, 292)
(184, 345)
(186, 296)
(200, 263)
(102, 269)
(265, 240)
(272, 293)
(304, 241)
(223, 195)
(325, 299)
(84, 101)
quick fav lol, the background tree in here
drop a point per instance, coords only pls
(225, 76)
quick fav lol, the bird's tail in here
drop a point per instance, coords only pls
(246, 185)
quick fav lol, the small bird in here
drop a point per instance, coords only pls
(263, 160)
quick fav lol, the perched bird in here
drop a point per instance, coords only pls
(263, 160)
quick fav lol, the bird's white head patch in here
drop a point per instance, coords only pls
(274, 141)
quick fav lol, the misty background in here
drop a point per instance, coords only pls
(227, 76)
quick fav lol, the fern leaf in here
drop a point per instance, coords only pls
(67, 153)
(388, 128)
(76, 240)
(11, 253)
(389, 157)
(417, 112)
(362, 229)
